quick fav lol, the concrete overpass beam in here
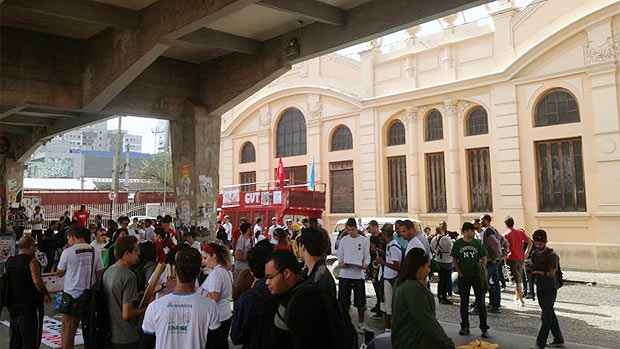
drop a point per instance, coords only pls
(195, 140)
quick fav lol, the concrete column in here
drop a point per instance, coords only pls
(606, 138)
(11, 183)
(368, 172)
(264, 146)
(412, 139)
(195, 157)
(503, 41)
(453, 186)
(507, 176)
(313, 132)
(367, 60)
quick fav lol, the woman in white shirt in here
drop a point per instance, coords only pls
(218, 287)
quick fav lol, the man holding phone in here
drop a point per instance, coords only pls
(353, 257)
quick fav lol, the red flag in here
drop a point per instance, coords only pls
(281, 176)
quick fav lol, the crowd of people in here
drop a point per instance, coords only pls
(143, 284)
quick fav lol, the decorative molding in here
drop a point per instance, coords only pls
(605, 52)
(462, 106)
(265, 116)
(450, 107)
(315, 106)
(412, 113)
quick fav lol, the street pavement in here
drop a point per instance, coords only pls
(589, 317)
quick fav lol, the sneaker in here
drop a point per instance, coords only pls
(464, 331)
(556, 344)
(495, 311)
(485, 334)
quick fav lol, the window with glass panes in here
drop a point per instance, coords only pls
(248, 153)
(342, 139)
(479, 178)
(246, 178)
(477, 123)
(556, 107)
(291, 134)
(434, 126)
(397, 183)
(341, 188)
(436, 183)
(561, 184)
(396, 133)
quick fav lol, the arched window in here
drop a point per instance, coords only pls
(291, 134)
(342, 139)
(248, 154)
(477, 123)
(556, 107)
(396, 133)
(434, 126)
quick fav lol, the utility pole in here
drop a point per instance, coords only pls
(127, 167)
(115, 166)
(156, 132)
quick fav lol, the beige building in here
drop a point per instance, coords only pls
(513, 114)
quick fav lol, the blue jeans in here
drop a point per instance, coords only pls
(494, 286)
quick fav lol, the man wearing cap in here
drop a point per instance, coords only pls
(353, 257)
(377, 249)
(545, 266)
(491, 242)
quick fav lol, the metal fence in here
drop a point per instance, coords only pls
(54, 212)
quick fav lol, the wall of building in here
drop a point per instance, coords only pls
(504, 65)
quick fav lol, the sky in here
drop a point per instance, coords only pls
(140, 126)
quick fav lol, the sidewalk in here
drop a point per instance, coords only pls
(585, 277)
(504, 339)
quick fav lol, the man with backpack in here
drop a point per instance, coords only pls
(306, 317)
(492, 243)
(79, 265)
(441, 245)
(548, 277)
(121, 294)
(394, 255)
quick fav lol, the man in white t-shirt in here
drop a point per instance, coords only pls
(183, 318)
(229, 229)
(258, 229)
(353, 257)
(79, 265)
(272, 229)
(37, 223)
(149, 230)
(394, 255)
(417, 239)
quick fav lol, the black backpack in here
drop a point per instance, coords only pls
(97, 320)
(559, 275)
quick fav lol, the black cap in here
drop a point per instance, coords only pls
(540, 235)
(467, 226)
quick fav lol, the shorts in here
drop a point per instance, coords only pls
(387, 294)
(358, 286)
(516, 269)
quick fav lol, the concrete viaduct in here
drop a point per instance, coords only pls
(68, 63)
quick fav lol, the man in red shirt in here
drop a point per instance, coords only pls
(517, 238)
(82, 216)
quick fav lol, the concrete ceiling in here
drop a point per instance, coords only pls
(65, 64)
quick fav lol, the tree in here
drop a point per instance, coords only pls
(157, 168)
